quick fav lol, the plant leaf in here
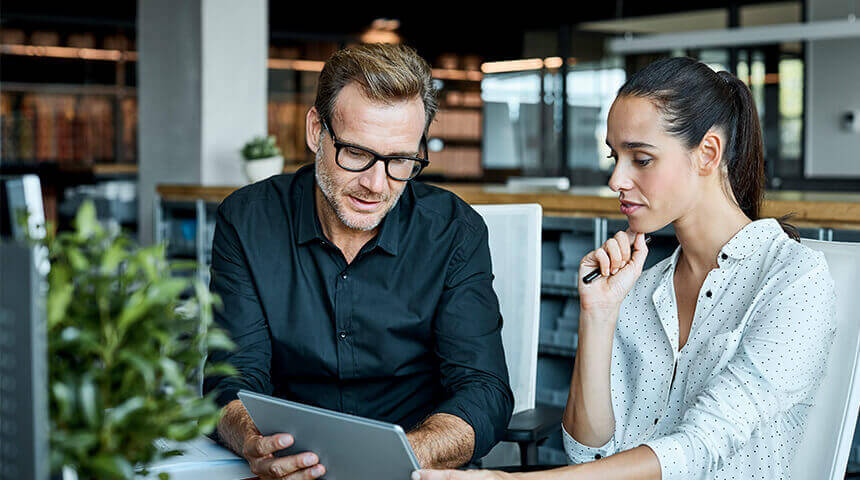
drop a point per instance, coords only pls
(119, 413)
(86, 223)
(88, 401)
(112, 466)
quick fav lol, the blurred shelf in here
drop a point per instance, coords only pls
(558, 351)
(555, 398)
(103, 169)
(74, 53)
(67, 89)
(458, 142)
(563, 279)
(564, 292)
(98, 169)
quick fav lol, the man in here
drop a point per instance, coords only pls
(349, 287)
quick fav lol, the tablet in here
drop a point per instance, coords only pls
(350, 447)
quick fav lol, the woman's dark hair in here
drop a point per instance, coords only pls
(692, 99)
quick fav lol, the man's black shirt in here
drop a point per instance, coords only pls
(410, 328)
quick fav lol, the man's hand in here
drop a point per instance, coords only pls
(260, 450)
(238, 431)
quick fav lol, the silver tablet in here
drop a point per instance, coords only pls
(350, 447)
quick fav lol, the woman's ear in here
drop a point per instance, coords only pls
(313, 128)
(710, 153)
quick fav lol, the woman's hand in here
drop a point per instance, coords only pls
(620, 265)
(461, 475)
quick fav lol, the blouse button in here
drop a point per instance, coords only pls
(656, 420)
(597, 456)
(709, 294)
(724, 256)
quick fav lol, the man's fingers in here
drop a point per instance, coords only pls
(273, 443)
(261, 446)
(316, 471)
(283, 466)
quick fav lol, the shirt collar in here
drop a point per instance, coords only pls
(751, 238)
(746, 242)
(309, 228)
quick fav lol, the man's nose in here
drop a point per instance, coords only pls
(374, 178)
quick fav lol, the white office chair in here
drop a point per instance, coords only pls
(823, 451)
(515, 250)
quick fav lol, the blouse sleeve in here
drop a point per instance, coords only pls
(579, 453)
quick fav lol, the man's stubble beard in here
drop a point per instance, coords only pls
(328, 188)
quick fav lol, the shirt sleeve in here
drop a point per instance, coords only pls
(467, 328)
(778, 366)
(241, 316)
(578, 453)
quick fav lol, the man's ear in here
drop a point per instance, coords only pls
(710, 153)
(313, 129)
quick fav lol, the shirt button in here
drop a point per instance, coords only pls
(343, 276)
(656, 420)
(709, 294)
(342, 335)
(597, 456)
(724, 256)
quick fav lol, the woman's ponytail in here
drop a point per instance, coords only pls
(745, 155)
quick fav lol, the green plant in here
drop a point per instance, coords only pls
(261, 147)
(124, 348)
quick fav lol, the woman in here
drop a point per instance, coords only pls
(704, 366)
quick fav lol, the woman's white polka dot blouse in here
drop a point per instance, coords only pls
(761, 332)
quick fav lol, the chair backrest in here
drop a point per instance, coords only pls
(823, 451)
(515, 250)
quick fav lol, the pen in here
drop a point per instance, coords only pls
(596, 272)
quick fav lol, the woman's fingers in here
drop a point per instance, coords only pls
(624, 240)
(603, 260)
(612, 249)
(458, 475)
(640, 250)
(616, 253)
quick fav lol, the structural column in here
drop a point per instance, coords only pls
(202, 92)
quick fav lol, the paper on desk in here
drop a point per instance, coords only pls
(200, 455)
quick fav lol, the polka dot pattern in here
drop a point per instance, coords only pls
(746, 378)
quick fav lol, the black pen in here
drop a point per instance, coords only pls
(596, 272)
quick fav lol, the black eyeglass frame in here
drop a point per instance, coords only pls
(338, 146)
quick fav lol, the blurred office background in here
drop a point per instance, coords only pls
(524, 91)
(107, 101)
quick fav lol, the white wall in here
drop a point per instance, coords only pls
(235, 54)
(833, 87)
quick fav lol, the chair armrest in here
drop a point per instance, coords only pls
(534, 425)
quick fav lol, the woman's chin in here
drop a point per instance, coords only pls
(642, 225)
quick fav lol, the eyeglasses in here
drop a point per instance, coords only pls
(355, 158)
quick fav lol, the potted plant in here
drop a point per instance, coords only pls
(262, 158)
(127, 337)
